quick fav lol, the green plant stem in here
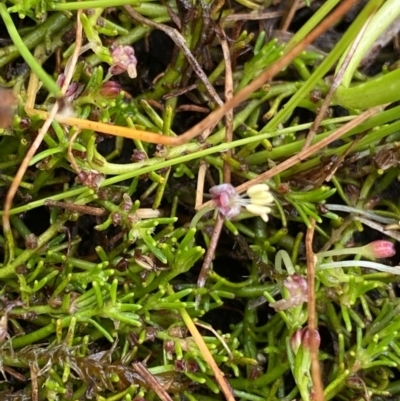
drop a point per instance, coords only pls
(197, 217)
(26, 54)
(362, 263)
(372, 138)
(283, 256)
(73, 6)
(339, 252)
(378, 23)
(262, 381)
(45, 331)
(381, 90)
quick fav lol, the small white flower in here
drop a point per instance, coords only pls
(229, 202)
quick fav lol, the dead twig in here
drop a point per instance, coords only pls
(289, 14)
(83, 209)
(201, 175)
(7, 107)
(34, 376)
(192, 107)
(12, 372)
(386, 230)
(222, 382)
(220, 338)
(312, 322)
(151, 381)
(229, 114)
(201, 280)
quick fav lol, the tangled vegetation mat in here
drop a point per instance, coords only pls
(200, 200)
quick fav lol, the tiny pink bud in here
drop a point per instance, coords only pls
(255, 372)
(110, 89)
(192, 366)
(302, 337)
(91, 178)
(74, 88)
(25, 123)
(180, 365)
(307, 340)
(379, 249)
(169, 346)
(295, 340)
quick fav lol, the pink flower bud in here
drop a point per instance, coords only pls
(90, 178)
(302, 337)
(379, 249)
(307, 340)
(255, 372)
(74, 88)
(295, 340)
(110, 89)
(124, 60)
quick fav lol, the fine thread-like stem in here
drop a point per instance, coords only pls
(282, 255)
(360, 263)
(201, 280)
(339, 252)
(198, 216)
(84, 5)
